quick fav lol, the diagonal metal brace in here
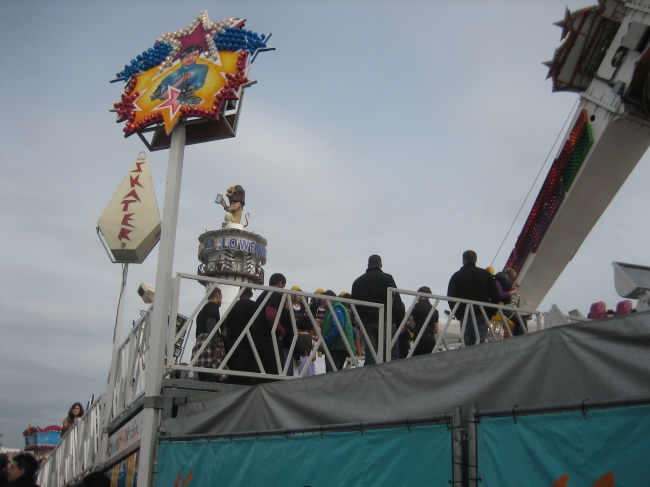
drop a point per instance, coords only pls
(154, 402)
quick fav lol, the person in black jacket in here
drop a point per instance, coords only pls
(475, 284)
(372, 287)
(242, 358)
(419, 314)
(206, 320)
(263, 327)
(21, 471)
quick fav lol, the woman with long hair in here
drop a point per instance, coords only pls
(76, 411)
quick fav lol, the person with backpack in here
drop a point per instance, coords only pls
(332, 335)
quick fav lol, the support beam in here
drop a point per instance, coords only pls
(619, 143)
(107, 407)
(159, 321)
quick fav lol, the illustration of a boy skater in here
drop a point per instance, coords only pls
(189, 78)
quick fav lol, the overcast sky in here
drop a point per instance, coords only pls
(413, 130)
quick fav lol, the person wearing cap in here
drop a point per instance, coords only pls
(263, 327)
(298, 306)
(314, 302)
(373, 286)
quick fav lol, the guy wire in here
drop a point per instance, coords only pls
(535, 181)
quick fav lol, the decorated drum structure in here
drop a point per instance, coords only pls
(232, 253)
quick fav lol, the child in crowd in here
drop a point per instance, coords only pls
(65, 427)
(304, 348)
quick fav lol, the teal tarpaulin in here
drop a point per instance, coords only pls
(390, 457)
(610, 447)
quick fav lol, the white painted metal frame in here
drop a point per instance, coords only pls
(130, 377)
(286, 294)
(159, 322)
(82, 448)
(110, 388)
(78, 451)
(504, 314)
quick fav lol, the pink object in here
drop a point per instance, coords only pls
(598, 310)
(623, 308)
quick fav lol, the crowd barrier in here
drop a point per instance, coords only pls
(407, 452)
(587, 443)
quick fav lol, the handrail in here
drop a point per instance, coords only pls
(491, 313)
(129, 383)
(78, 451)
(282, 365)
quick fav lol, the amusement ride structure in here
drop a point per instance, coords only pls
(410, 422)
(603, 57)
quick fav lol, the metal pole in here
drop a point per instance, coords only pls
(380, 339)
(389, 325)
(472, 447)
(159, 319)
(457, 442)
(107, 407)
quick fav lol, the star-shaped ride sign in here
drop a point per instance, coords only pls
(189, 73)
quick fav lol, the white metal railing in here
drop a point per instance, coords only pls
(282, 365)
(495, 316)
(78, 450)
(129, 378)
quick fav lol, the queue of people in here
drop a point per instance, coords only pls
(272, 328)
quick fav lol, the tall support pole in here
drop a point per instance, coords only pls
(160, 315)
(389, 325)
(472, 447)
(457, 445)
(107, 407)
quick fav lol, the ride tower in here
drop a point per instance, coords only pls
(605, 57)
(232, 252)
